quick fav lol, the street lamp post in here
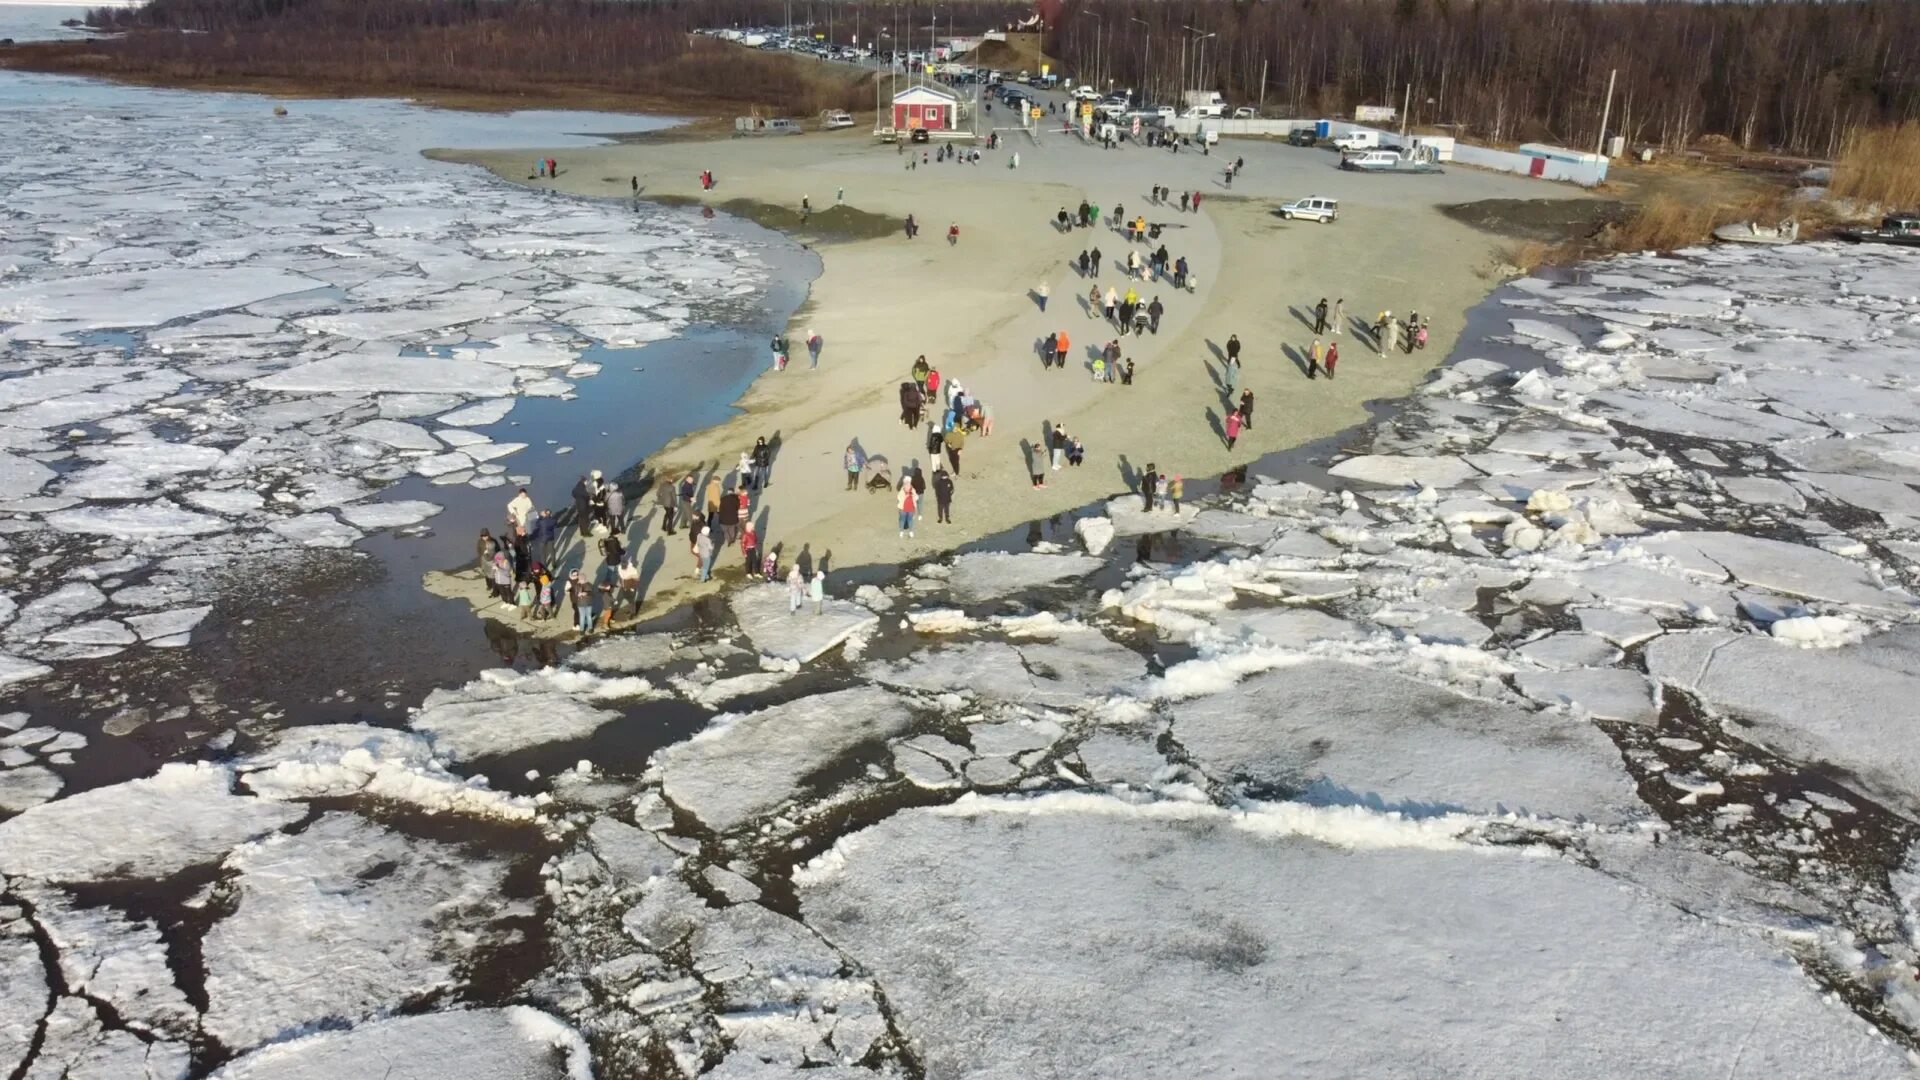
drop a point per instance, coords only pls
(1146, 63)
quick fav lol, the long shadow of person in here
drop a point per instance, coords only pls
(773, 455)
(1129, 476)
(1305, 318)
(1364, 331)
(1217, 374)
(1299, 358)
(1026, 451)
(1218, 353)
(650, 564)
(1218, 425)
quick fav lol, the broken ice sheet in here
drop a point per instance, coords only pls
(342, 921)
(514, 1043)
(1188, 922)
(741, 767)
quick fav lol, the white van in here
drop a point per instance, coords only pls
(1206, 112)
(1357, 140)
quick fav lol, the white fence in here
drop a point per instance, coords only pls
(1586, 175)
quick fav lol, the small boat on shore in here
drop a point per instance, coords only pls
(1751, 232)
(1902, 229)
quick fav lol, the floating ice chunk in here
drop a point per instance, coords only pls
(763, 614)
(1571, 650)
(1763, 491)
(480, 414)
(1094, 532)
(23, 993)
(1646, 972)
(514, 1043)
(390, 515)
(1604, 693)
(96, 632)
(157, 520)
(407, 406)
(230, 501)
(340, 760)
(467, 729)
(20, 789)
(316, 530)
(182, 816)
(373, 371)
(1817, 631)
(394, 433)
(14, 669)
(145, 297)
(742, 767)
(1347, 735)
(117, 961)
(1230, 527)
(77, 1044)
(1624, 628)
(1402, 471)
(1028, 673)
(920, 769)
(1549, 333)
(1779, 566)
(65, 603)
(21, 476)
(341, 922)
(1852, 706)
(163, 624)
(984, 575)
(1865, 492)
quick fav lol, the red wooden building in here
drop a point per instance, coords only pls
(925, 107)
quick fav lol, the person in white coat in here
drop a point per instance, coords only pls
(520, 509)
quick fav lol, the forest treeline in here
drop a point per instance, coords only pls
(1793, 76)
(1790, 76)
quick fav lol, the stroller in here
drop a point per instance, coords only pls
(876, 474)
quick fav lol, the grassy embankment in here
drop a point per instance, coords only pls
(1879, 169)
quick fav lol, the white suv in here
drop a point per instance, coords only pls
(1313, 208)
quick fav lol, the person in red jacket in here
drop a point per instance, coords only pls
(933, 383)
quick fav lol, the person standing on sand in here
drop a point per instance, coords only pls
(1154, 311)
(1084, 261)
(1339, 316)
(1126, 372)
(713, 495)
(1233, 347)
(943, 494)
(1233, 428)
(1230, 373)
(689, 488)
(907, 501)
(1112, 303)
(616, 508)
(543, 534)
(485, 549)
(956, 441)
(750, 547)
(813, 348)
(933, 382)
(953, 234)
(1320, 316)
(1095, 254)
(817, 591)
(1057, 445)
(730, 516)
(796, 589)
(582, 505)
(703, 553)
(1333, 357)
(1246, 408)
(1060, 347)
(920, 370)
(850, 461)
(663, 496)
(1186, 200)
(1313, 359)
(580, 595)
(1040, 293)
(912, 228)
(1176, 490)
(1180, 272)
(910, 403)
(760, 462)
(1149, 484)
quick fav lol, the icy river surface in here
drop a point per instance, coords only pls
(1558, 723)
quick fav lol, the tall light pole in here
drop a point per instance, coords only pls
(1199, 41)
(1146, 63)
(1099, 68)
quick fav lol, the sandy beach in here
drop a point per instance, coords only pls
(969, 308)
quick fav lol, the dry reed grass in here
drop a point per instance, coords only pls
(1881, 165)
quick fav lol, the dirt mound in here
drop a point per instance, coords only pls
(1020, 52)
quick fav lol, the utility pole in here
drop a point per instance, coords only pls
(1405, 105)
(1263, 88)
(1606, 114)
(1146, 59)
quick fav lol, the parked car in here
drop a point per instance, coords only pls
(1312, 208)
(835, 119)
(1302, 137)
(1246, 112)
(1357, 140)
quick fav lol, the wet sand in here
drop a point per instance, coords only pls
(969, 308)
